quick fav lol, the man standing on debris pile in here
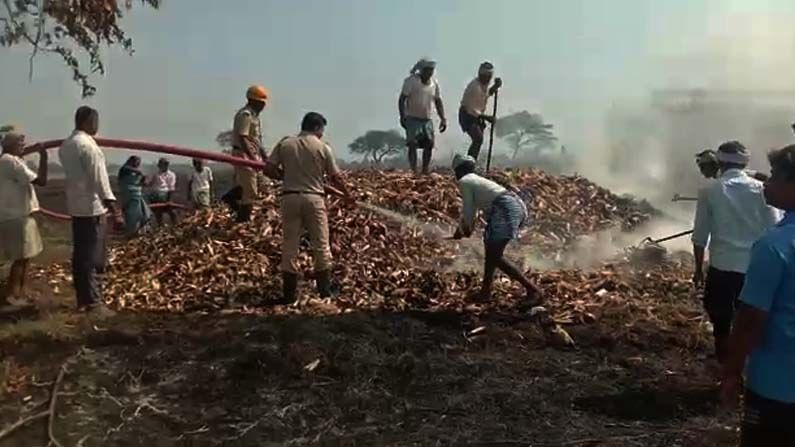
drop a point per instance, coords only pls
(472, 115)
(20, 239)
(731, 215)
(88, 198)
(303, 162)
(765, 326)
(247, 143)
(419, 94)
(505, 215)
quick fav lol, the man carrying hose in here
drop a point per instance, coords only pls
(420, 93)
(731, 215)
(88, 199)
(164, 185)
(303, 162)
(505, 214)
(19, 235)
(472, 115)
(247, 143)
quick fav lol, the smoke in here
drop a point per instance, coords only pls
(727, 78)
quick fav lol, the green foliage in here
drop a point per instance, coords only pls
(523, 130)
(67, 28)
(375, 145)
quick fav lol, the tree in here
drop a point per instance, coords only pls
(224, 140)
(525, 129)
(66, 28)
(376, 145)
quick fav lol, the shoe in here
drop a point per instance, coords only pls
(99, 312)
(289, 288)
(324, 286)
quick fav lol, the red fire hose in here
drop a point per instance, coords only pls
(152, 147)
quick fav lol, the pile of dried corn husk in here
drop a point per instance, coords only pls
(562, 207)
(207, 262)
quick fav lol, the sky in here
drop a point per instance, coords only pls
(569, 60)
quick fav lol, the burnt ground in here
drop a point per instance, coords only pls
(358, 378)
(350, 379)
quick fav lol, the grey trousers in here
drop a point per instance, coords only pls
(88, 258)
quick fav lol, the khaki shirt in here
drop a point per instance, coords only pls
(247, 124)
(306, 160)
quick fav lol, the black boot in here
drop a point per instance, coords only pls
(244, 213)
(289, 288)
(324, 287)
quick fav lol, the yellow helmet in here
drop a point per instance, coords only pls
(257, 93)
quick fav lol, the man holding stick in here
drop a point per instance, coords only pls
(472, 115)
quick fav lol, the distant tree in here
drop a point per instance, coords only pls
(376, 145)
(224, 140)
(66, 28)
(524, 130)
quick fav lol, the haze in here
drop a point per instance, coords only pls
(575, 62)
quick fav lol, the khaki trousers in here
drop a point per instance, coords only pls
(246, 179)
(305, 212)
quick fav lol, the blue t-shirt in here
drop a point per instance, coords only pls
(770, 286)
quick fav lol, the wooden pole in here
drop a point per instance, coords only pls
(491, 135)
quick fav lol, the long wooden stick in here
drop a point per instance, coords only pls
(491, 135)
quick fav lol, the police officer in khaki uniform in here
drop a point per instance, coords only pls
(304, 162)
(247, 143)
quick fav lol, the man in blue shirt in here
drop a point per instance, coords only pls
(764, 330)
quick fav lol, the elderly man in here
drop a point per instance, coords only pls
(472, 115)
(763, 338)
(247, 143)
(88, 198)
(19, 235)
(419, 94)
(731, 215)
(304, 162)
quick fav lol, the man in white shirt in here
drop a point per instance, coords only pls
(88, 198)
(731, 215)
(505, 214)
(164, 184)
(420, 93)
(19, 234)
(200, 185)
(472, 115)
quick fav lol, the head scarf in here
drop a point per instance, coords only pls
(733, 152)
(422, 64)
(486, 68)
(461, 160)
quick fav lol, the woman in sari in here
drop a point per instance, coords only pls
(131, 182)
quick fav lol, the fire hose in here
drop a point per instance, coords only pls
(150, 147)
